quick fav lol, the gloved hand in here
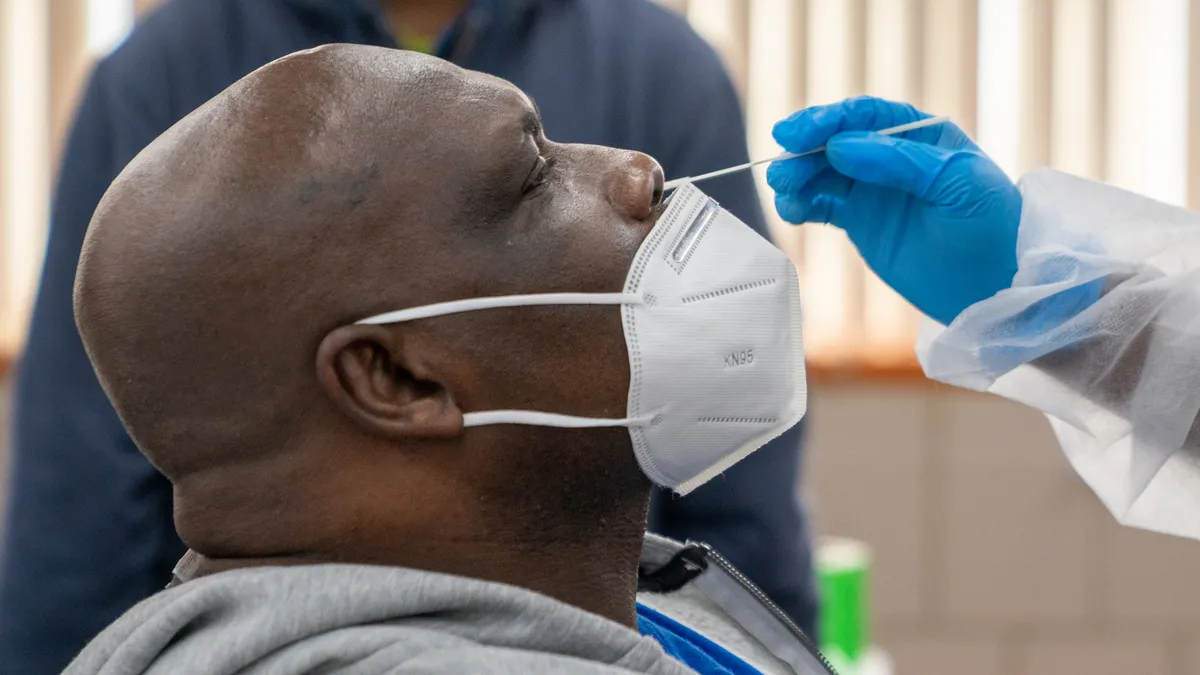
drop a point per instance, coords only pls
(932, 215)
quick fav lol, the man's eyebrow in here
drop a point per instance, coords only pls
(532, 121)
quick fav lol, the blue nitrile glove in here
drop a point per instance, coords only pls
(931, 214)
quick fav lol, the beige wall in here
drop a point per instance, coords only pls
(992, 557)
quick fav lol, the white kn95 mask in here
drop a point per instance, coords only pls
(711, 313)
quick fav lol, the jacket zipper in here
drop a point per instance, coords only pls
(778, 613)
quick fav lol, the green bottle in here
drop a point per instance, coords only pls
(843, 570)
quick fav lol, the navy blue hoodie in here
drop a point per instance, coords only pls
(89, 520)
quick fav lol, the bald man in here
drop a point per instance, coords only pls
(622, 73)
(339, 516)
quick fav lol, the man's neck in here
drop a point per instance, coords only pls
(594, 571)
(422, 17)
(598, 576)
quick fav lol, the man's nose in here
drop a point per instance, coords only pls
(635, 185)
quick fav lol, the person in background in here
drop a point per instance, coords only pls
(89, 529)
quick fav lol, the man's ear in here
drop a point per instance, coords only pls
(368, 374)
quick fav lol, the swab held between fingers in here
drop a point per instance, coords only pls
(911, 126)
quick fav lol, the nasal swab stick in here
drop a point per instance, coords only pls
(911, 126)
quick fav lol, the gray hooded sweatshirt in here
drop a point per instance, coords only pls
(351, 619)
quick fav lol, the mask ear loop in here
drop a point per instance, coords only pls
(544, 419)
(496, 302)
(526, 417)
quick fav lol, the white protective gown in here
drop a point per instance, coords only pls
(1101, 331)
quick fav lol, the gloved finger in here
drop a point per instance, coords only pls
(811, 128)
(819, 201)
(791, 208)
(887, 161)
(790, 175)
(797, 211)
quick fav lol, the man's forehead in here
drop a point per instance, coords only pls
(501, 93)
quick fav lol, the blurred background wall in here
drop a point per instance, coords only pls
(990, 556)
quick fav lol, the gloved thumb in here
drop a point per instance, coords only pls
(887, 161)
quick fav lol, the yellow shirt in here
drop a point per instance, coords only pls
(417, 42)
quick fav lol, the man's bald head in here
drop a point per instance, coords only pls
(225, 268)
(276, 205)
